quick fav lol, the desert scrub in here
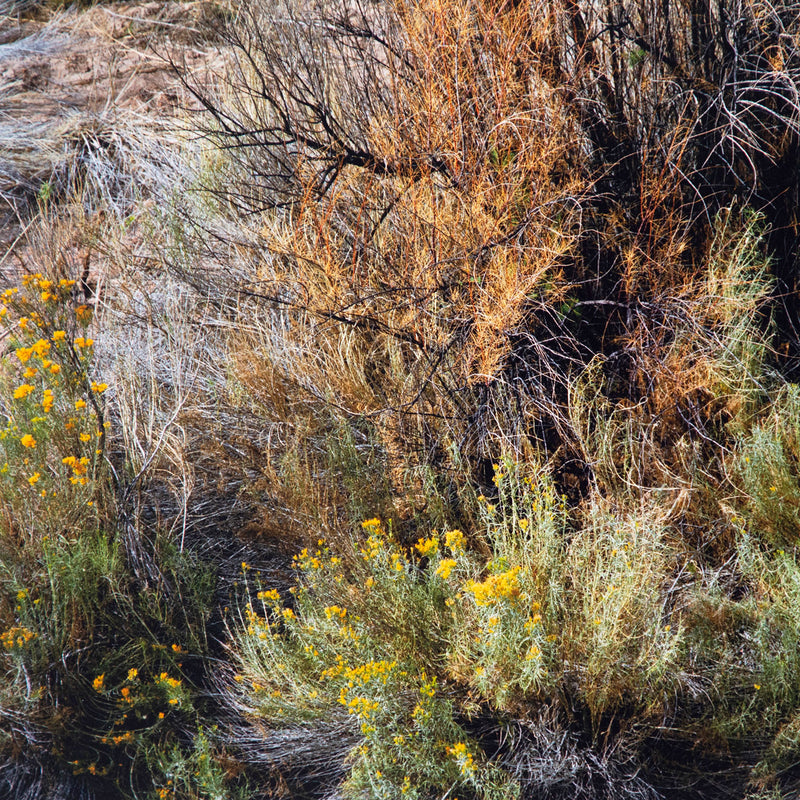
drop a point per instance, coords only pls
(506, 635)
(365, 641)
(97, 667)
(620, 640)
(408, 645)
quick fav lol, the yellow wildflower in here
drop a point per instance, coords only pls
(445, 568)
(454, 540)
(335, 611)
(427, 547)
(504, 586)
(41, 348)
(23, 391)
(28, 441)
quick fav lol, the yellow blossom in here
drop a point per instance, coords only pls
(463, 757)
(427, 547)
(97, 683)
(445, 568)
(41, 348)
(16, 637)
(23, 391)
(99, 387)
(28, 441)
(34, 478)
(504, 586)
(454, 540)
(59, 336)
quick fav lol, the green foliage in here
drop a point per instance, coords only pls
(93, 662)
(193, 775)
(766, 466)
(406, 643)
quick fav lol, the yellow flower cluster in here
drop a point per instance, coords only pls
(371, 670)
(372, 547)
(398, 563)
(445, 567)
(335, 611)
(38, 349)
(372, 525)
(334, 671)
(16, 637)
(427, 547)
(305, 561)
(363, 706)
(455, 540)
(496, 588)
(80, 467)
(21, 392)
(463, 757)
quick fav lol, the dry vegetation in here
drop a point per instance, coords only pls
(400, 401)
